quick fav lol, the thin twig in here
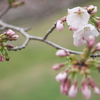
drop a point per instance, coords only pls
(27, 29)
(49, 31)
(53, 27)
(4, 12)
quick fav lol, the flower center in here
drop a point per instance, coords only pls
(79, 13)
(86, 29)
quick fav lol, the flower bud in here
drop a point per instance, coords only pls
(91, 41)
(92, 9)
(96, 90)
(57, 66)
(17, 3)
(61, 77)
(59, 25)
(97, 47)
(64, 87)
(1, 58)
(62, 53)
(73, 90)
(98, 25)
(85, 90)
(63, 19)
(92, 84)
(15, 37)
(10, 32)
(9, 46)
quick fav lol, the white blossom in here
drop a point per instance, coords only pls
(81, 35)
(77, 17)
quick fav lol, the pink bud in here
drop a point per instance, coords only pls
(62, 53)
(57, 66)
(61, 77)
(91, 81)
(85, 90)
(97, 47)
(64, 87)
(92, 9)
(1, 58)
(9, 46)
(96, 90)
(73, 90)
(98, 25)
(59, 25)
(91, 41)
(15, 37)
(10, 32)
(63, 19)
(92, 84)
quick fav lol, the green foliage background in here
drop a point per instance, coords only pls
(29, 75)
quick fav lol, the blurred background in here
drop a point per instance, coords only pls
(29, 75)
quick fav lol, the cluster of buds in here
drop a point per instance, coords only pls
(78, 21)
(94, 18)
(15, 3)
(4, 37)
(83, 65)
(8, 36)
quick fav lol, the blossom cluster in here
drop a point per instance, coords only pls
(78, 22)
(15, 3)
(9, 35)
(82, 65)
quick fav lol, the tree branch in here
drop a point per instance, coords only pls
(49, 31)
(53, 27)
(30, 37)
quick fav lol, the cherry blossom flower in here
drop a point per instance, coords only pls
(79, 42)
(77, 17)
(81, 36)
